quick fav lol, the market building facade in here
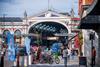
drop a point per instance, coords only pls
(89, 13)
(22, 27)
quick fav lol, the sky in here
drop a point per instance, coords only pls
(16, 8)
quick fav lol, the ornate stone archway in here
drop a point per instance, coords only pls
(63, 24)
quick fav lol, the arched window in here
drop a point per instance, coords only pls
(17, 33)
(4, 38)
(17, 36)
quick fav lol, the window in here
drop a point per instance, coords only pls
(17, 36)
(4, 38)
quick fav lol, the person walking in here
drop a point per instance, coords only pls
(93, 55)
(61, 51)
(69, 53)
(39, 53)
(65, 52)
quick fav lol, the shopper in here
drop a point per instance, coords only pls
(65, 53)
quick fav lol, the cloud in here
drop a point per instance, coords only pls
(17, 7)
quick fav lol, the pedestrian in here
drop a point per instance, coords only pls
(39, 53)
(61, 52)
(65, 52)
(93, 55)
(69, 52)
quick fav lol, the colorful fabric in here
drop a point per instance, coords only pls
(27, 45)
(55, 47)
(11, 47)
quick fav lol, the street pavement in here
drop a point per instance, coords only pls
(71, 63)
(53, 65)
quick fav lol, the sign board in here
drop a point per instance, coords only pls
(63, 34)
(82, 61)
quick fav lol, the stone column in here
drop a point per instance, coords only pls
(22, 40)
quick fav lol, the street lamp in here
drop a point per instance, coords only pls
(92, 37)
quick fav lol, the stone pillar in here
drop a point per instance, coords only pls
(98, 50)
(22, 40)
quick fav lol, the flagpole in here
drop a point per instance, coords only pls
(72, 16)
(25, 16)
(48, 4)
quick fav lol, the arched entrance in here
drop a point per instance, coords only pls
(17, 36)
(47, 31)
(4, 38)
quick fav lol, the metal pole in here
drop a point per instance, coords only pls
(18, 60)
(48, 4)
(91, 52)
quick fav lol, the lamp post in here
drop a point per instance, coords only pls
(92, 37)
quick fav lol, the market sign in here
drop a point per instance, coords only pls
(52, 38)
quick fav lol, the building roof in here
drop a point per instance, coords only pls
(11, 19)
(54, 13)
(65, 13)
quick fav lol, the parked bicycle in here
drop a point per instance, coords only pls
(55, 58)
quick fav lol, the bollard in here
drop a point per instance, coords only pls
(25, 61)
